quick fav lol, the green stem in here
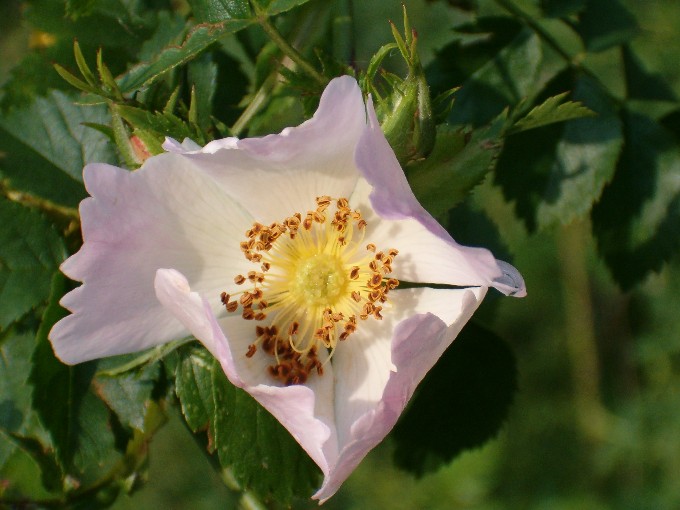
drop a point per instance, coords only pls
(61, 213)
(147, 357)
(286, 48)
(260, 98)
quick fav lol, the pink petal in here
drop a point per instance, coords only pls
(377, 372)
(427, 253)
(277, 175)
(305, 411)
(134, 223)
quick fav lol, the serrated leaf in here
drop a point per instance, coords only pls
(15, 394)
(216, 11)
(639, 237)
(585, 159)
(606, 23)
(554, 109)
(172, 56)
(460, 160)
(158, 124)
(556, 173)
(260, 453)
(76, 420)
(49, 469)
(503, 81)
(128, 394)
(30, 251)
(456, 62)
(53, 129)
(461, 403)
(273, 7)
(193, 384)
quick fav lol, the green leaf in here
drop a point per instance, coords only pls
(273, 7)
(461, 403)
(25, 454)
(557, 173)
(554, 109)
(260, 453)
(203, 80)
(158, 124)
(606, 23)
(560, 8)
(641, 84)
(30, 251)
(216, 11)
(638, 238)
(193, 384)
(172, 56)
(508, 78)
(460, 160)
(585, 159)
(77, 8)
(76, 420)
(128, 394)
(52, 128)
(15, 394)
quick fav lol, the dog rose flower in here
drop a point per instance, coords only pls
(287, 257)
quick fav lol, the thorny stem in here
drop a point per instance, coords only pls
(285, 47)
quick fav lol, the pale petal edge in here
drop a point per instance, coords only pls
(413, 359)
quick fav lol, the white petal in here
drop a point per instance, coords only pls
(424, 256)
(375, 382)
(278, 175)
(163, 215)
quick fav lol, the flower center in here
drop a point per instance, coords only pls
(319, 280)
(316, 281)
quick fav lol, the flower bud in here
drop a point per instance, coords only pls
(406, 112)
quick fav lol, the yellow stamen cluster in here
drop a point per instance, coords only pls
(315, 281)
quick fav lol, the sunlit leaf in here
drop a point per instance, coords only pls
(172, 56)
(216, 11)
(508, 78)
(51, 129)
(637, 221)
(554, 109)
(558, 172)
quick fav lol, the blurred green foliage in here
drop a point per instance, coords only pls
(587, 208)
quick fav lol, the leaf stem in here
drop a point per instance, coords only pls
(285, 47)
